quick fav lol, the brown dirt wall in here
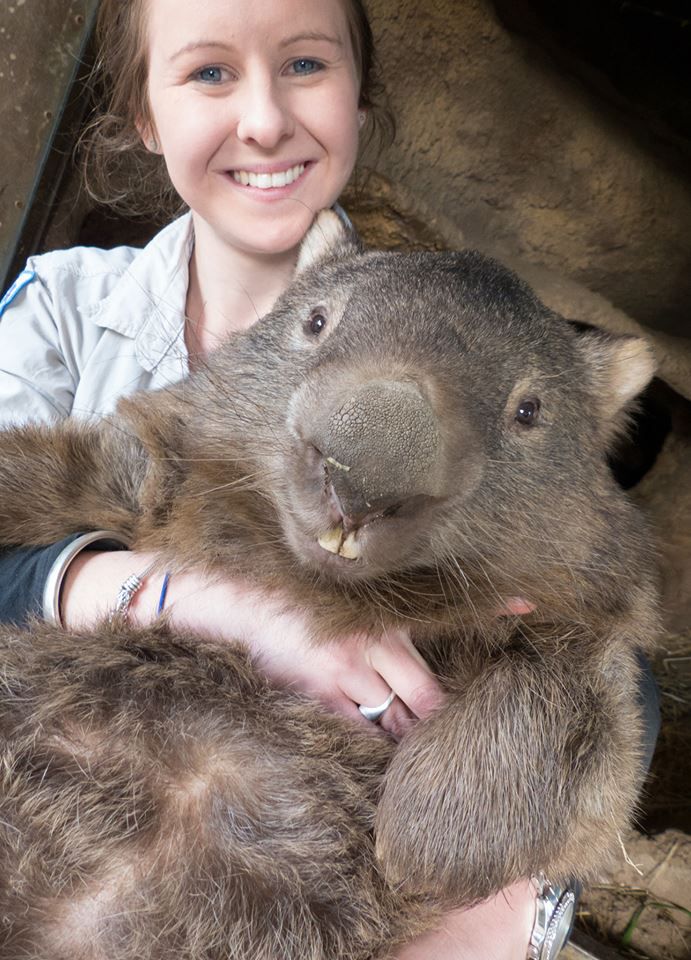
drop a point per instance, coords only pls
(524, 161)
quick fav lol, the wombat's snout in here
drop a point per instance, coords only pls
(379, 446)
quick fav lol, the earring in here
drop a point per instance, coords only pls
(153, 144)
(361, 117)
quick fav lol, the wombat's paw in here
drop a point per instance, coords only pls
(475, 796)
(439, 832)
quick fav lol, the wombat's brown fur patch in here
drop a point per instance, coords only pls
(405, 440)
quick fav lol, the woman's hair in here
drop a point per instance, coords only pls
(118, 169)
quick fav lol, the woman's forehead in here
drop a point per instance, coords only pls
(176, 26)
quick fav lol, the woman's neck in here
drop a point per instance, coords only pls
(229, 290)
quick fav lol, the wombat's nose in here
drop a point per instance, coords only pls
(380, 446)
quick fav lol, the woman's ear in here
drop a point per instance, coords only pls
(146, 131)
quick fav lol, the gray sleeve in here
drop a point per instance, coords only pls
(35, 384)
(23, 574)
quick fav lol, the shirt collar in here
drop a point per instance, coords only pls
(147, 303)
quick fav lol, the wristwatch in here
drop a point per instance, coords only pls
(555, 910)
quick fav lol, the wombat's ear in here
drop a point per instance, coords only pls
(328, 237)
(622, 367)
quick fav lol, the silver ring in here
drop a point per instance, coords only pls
(374, 713)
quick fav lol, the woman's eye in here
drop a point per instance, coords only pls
(527, 411)
(304, 66)
(209, 74)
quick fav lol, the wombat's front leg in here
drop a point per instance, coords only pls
(56, 480)
(531, 765)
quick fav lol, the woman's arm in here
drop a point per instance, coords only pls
(36, 382)
(356, 670)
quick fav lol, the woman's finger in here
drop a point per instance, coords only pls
(400, 666)
(514, 607)
(397, 720)
(366, 688)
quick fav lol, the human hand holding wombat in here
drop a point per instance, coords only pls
(347, 671)
(341, 674)
(405, 443)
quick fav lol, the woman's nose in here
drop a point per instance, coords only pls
(265, 118)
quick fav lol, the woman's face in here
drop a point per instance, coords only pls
(254, 107)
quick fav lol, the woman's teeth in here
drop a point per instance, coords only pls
(267, 180)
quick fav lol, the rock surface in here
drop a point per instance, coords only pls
(526, 163)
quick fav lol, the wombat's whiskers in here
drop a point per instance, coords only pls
(469, 617)
(247, 482)
(491, 536)
(383, 599)
(414, 602)
(448, 567)
(200, 459)
(240, 401)
(559, 553)
(459, 578)
(449, 601)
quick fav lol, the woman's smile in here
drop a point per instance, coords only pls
(267, 179)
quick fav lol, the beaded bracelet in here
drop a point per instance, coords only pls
(126, 593)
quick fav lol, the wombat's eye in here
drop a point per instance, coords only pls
(527, 411)
(316, 323)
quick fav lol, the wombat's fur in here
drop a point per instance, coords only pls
(160, 800)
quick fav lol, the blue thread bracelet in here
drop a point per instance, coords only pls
(162, 598)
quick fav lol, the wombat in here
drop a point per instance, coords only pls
(405, 440)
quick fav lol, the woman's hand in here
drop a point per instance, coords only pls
(496, 929)
(357, 669)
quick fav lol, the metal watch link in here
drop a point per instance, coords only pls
(555, 910)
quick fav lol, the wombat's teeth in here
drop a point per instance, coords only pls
(331, 540)
(334, 542)
(350, 548)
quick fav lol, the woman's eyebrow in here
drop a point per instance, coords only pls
(294, 38)
(199, 45)
(311, 35)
